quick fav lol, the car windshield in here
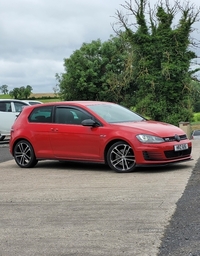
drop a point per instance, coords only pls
(33, 102)
(113, 113)
(197, 132)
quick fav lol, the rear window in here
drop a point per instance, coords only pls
(41, 115)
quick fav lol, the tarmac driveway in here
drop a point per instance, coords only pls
(88, 210)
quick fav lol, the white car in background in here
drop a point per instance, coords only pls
(32, 102)
(9, 109)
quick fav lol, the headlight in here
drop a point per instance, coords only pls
(145, 138)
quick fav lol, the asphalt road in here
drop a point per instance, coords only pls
(88, 210)
(182, 235)
(4, 152)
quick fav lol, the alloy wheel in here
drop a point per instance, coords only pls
(24, 154)
(121, 157)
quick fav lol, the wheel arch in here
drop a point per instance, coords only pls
(17, 140)
(109, 144)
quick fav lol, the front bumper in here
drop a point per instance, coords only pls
(162, 154)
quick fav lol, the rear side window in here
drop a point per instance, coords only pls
(41, 115)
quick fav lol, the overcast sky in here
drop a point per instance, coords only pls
(36, 35)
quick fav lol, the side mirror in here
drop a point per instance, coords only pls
(89, 122)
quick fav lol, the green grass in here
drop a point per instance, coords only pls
(49, 100)
(196, 117)
(5, 96)
(40, 98)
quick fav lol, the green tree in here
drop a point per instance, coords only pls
(98, 71)
(21, 93)
(15, 93)
(196, 95)
(27, 91)
(56, 90)
(4, 89)
(162, 58)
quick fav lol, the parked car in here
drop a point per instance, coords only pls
(32, 102)
(94, 131)
(9, 109)
(195, 135)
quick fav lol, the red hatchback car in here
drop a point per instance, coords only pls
(95, 131)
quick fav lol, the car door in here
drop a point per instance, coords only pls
(7, 117)
(70, 139)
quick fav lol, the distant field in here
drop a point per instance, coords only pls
(48, 100)
(4, 96)
(40, 95)
(195, 126)
(37, 96)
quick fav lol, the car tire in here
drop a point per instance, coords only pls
(121, 158)
(2, 138)
(24, 154)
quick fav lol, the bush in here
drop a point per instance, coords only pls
(196, 117)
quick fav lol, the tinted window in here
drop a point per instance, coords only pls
(41, 115)
(19, 106)
(66, 115)
(5, 106)
(197, 132)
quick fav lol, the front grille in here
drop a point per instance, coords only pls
(174, 154)
(170, 154)
(173, 138)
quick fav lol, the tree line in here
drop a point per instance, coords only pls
(17, 93)
(146, 65)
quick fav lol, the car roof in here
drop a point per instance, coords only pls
(27, 101)
(15, 100)
(81, 103)
(68, 103)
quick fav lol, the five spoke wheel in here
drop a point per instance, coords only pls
(24, 154)
(120, 157)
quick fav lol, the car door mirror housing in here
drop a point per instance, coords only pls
(89, 122)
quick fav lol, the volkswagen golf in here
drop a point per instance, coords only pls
(95, 131)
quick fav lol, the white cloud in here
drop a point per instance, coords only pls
(36, 35)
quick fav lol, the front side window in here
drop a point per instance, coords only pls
(41, 115)
(19, 106)
(67, 115)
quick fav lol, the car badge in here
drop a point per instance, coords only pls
(177, 138)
